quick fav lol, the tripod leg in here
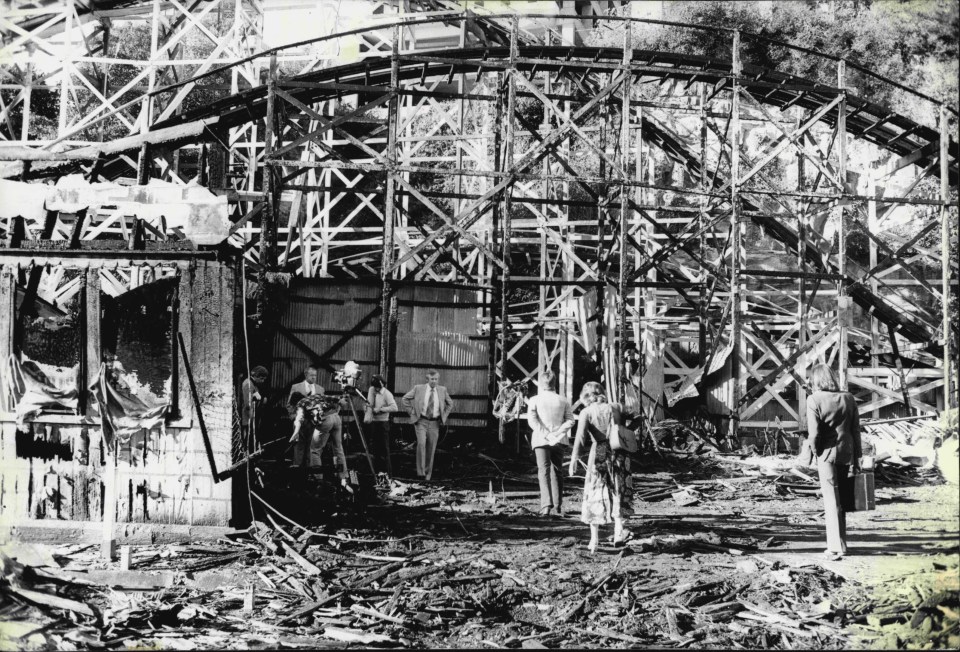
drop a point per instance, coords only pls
(363, 440)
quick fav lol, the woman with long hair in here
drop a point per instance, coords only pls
(606, 495)
(833, 427)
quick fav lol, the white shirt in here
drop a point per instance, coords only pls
(426, 402)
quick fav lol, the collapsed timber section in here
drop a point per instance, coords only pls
(117, 393)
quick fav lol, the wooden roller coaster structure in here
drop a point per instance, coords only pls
(595, 199)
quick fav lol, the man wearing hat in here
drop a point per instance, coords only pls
(380, 405)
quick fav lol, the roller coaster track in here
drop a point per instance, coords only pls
(895, 133)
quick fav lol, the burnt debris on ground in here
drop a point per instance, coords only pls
(721, 555)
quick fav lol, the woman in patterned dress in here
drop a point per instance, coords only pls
(606, 496)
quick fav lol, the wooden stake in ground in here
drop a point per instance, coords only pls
(108, 542)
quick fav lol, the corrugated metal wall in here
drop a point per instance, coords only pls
(436, 328)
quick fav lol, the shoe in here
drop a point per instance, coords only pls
(592, 547)
(830, 555)
(623, 538)
(545, 511)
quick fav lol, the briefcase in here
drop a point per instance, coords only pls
(863, 499)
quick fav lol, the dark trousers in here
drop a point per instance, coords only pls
(380, 445)
(550, 475)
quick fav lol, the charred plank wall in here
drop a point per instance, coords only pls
(52, 467)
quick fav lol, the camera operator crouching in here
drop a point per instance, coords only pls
(316, 421)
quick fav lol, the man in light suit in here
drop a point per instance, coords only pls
(307, 387)
(428, 405)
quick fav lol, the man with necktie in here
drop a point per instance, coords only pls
(307, 387)
(428, 405)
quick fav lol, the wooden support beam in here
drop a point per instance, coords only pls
(388, 299)
(506, 217)
(949, 383)
(624, 167)
(735, 249)
(844, 303)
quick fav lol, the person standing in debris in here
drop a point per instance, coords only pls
(380, 405)
(428, 405)
(251, 398)
(833, 433)
(317, 421)
(606, 494)
(551, 419)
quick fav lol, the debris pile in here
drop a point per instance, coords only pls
(695, 436)
(707, 565)
(919, 611)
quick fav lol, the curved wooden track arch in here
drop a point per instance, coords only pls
(597, 197)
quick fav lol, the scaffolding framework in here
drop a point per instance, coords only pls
(727, 221)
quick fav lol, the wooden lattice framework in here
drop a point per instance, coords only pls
(552, 160)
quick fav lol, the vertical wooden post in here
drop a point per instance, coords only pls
(388, 300)
(108, 541)
(507, 209)
(735, 326)
(92, 308)
(543, 355)
(27, 95)
(268, 225)
(873, 226)
(802, 319)
(945, 257)
(644, 165)
(624, 162)
(495, 277)
(842, 299)
(69, 13)
(702, 240)
(143, 160)
(602, 208)
(569, 341)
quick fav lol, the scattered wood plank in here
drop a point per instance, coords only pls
(323, 601)
(373, 613)
(304, 563)
(53, 601)
(345, 635)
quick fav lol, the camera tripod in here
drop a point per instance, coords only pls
(363, 440)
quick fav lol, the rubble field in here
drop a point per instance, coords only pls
(725, 552)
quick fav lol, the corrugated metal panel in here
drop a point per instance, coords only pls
(433, 335)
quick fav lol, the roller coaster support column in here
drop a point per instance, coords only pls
(735, 326)
(802, 319)
(946, 258)
(507, 209)
(624, 163)
(702, 239)
(268, 228)
(388, 300)
(146, 108)
(844, 304)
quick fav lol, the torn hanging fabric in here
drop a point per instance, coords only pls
(585, 308)
(122, 414)
(34, 387)
(510, 402)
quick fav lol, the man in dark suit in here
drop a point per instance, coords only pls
(428, 405)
